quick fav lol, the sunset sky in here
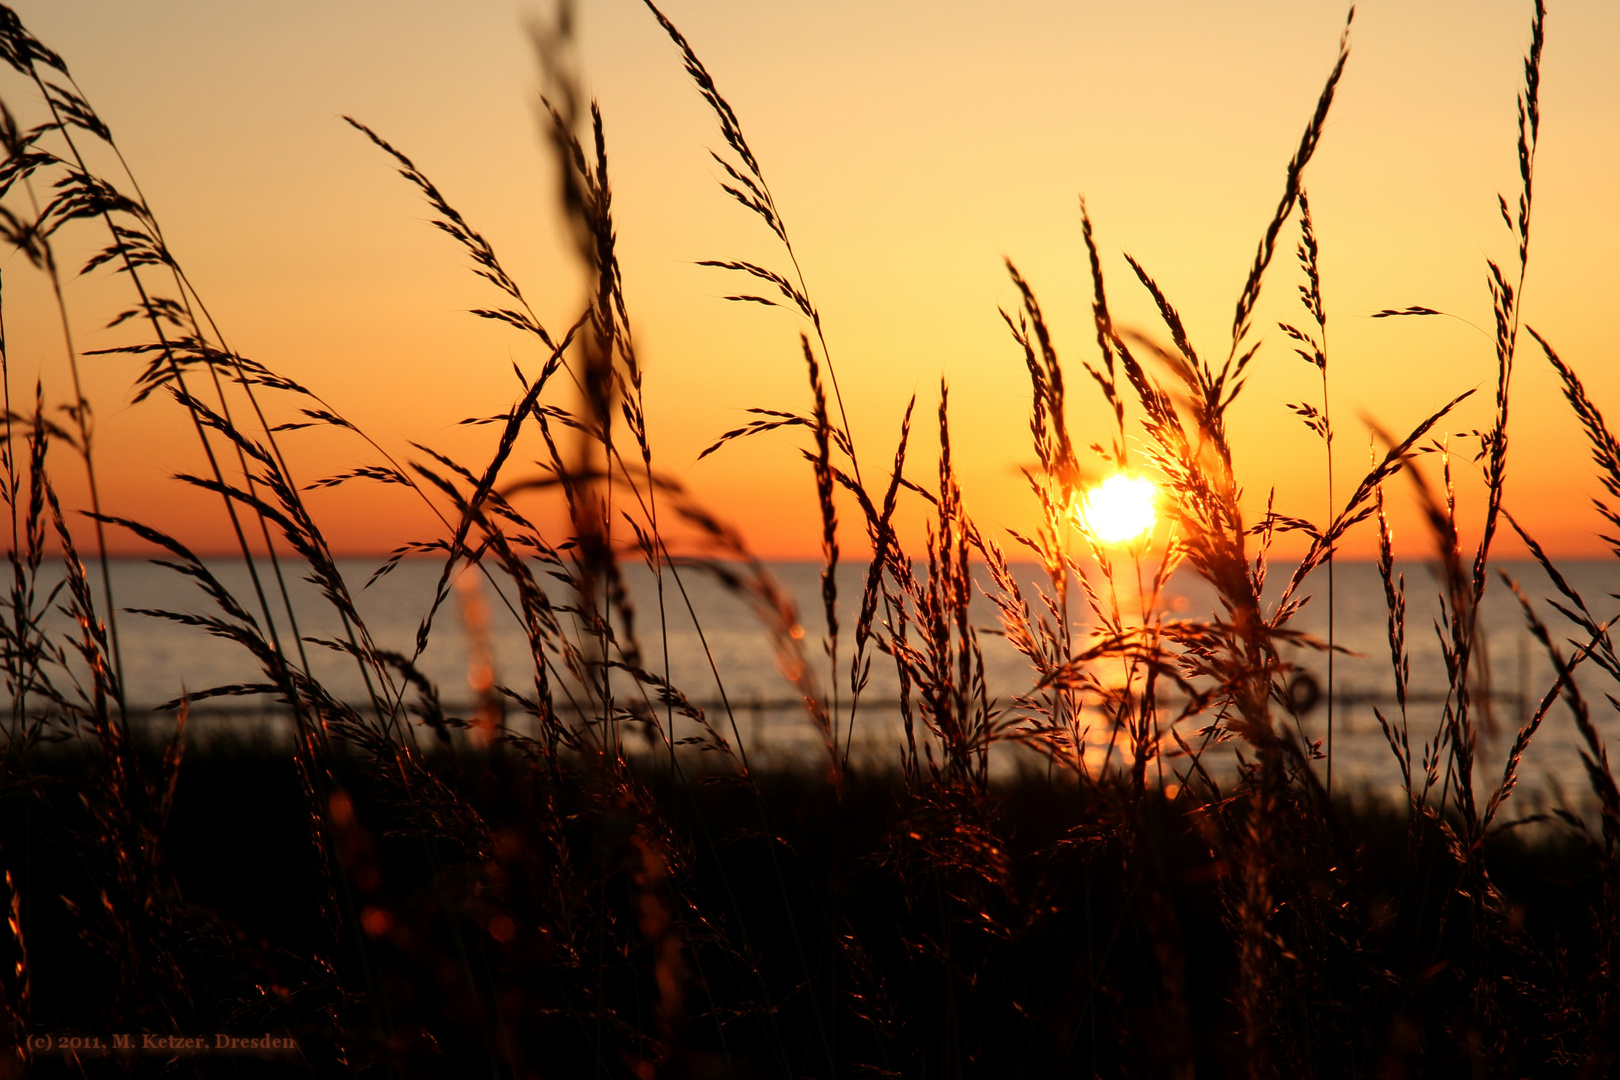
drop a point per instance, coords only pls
(910, 147)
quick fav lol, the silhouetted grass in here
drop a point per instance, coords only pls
(1056, 949)
(514, 891)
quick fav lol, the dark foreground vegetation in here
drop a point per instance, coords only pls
(411, 889)
(779, 928)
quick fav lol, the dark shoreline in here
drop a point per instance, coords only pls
(760, 917)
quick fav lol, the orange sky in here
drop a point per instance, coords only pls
(910, 147)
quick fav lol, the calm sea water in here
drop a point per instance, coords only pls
(716, 650)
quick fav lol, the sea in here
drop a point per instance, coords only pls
(698, 628)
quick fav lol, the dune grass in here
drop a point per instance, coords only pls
(515, 891)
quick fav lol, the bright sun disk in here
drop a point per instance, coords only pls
(1119, 509)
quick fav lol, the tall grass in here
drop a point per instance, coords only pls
(517, 891)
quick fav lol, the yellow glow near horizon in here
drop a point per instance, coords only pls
(1120, 509)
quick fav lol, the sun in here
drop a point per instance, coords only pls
(1120, 509)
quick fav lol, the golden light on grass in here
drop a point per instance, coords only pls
(1120, 509)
